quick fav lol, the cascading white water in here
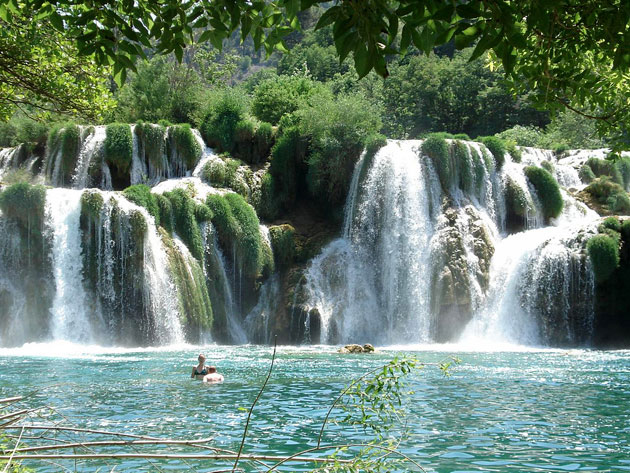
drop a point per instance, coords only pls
(373, 284)
(69, 312)
(6, 159)
(533, 275)
(91, 146)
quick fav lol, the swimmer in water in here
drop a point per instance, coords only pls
(213, 376)
(201, 370)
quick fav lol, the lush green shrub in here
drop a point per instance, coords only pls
(166, 212)
(461, 136)
(604, 253)
(338, 129)
(479, 170)
(141, 195)
(91, 204)
(515, 198)
(24, 202)
(515, 152)
(214, 172)
(623, 166)
(203, 213)
(186, 145)
(523, 135)
(464, 166)
(497, 148)
(185, 224)
(119, 146)
(268, 205)
(625, 230)
(610, 194)
(604, 167)
(586, 174)
(488, 161)
(547, 190)
(65, 139)
(443, 135)
(239, 229)
(280, 95)
(560, 148)
(613, 223)
(374, 142)
(283, 244)
(153, 140)
(263, 141)
(249, 243)
(436, 148)
(228, 108)
(287, 157)
(547, 166)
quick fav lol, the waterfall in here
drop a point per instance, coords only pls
(69, 310)
(6, 159)
(91, 147)
(373, 284)
(541, 291)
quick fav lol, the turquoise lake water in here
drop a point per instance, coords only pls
(506, 411)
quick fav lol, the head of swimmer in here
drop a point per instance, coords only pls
(201, 359)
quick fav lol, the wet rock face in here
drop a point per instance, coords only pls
(462, 250)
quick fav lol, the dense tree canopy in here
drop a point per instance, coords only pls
(570, 53)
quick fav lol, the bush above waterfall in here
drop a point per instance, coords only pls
(185, 143)
(609, 195)
(436, 148)
(604, 167)
(119, 146)
(154, 143)
(25, 203)
(283, 244)
(141, 195)
(497, 148)
(604, 253)
(184, 221)
(547, 190)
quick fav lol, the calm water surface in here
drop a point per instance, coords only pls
(511, 411)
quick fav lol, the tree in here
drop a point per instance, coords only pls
(572, 53)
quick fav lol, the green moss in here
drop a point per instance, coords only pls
(374, 142)
(23, 202)
(185, 143)
(195, 307)
(510, 147)
(586, 174)
(515, 198)
(547, 166)
(497, 148)
(141, 195)
(287, 156)
(623, 166)
(203, 213)
(138, 225)
(547, 190)
(119, 146)
(239, 229)
(283, 244)
(488, 161)
(64, 139)
(185, 224)
(464, 166)
(436, 148)
(249, 251)
(604, 253)
(91, 203)
(441, 135)
(268, 207)
(613, 223)
(609, 194)
(153, 141)
(479, 170)
(166, 212)
(604, 167)
(461, 136)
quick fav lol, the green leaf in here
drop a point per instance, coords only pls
(329, 17)
(362, 60)
(56, 21)
(205, 36)
(179, 53)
